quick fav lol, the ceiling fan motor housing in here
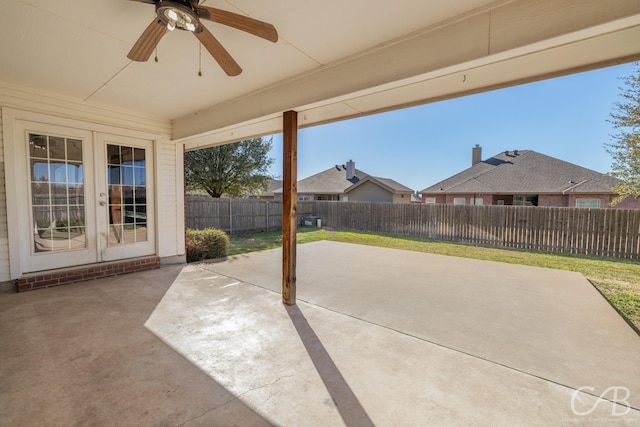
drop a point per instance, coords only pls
(179, 14)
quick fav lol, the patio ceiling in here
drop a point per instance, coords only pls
(334, 59)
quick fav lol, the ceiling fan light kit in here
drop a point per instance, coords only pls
(177, 15)
(185, 15)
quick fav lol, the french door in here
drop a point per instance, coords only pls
(88, 197)
(125, 197)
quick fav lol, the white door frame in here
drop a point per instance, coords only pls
(15, 171)
(131, 250)
(32, 261)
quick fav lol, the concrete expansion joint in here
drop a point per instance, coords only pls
(240, 280)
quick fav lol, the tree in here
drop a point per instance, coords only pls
(235, 170)
(625, 147)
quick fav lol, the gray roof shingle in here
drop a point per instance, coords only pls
(330, 181)
(526, 172)
(334, 181)
(390, 184)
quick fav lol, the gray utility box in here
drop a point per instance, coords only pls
(311, 221)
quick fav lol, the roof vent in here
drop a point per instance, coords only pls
(515, 152)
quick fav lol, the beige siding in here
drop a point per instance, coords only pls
(60, 106)
(4, 238)
(168, 156)
(170, 199)
(402, 198)
(369, 192)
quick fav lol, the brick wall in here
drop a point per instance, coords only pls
(546, 200)
(79, 274)
(560, 201)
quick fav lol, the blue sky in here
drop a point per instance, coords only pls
(564, 118)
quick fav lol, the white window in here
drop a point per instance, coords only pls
(500, 202)
(304, 198)
(459, 201)
(478, 201)
(587, 203)
(430, 200)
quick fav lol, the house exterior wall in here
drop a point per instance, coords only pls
(4, 234)
(168, 160)
(554, 200)
(402, 198)
(487, 199)
(440, 199)
(546, 200)
(605, 201)
(629, 204)
(369, 192)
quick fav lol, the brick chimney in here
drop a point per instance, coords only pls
(476, 155)
(351, 169)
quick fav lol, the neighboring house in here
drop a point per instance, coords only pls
(268, 194)
(374, 189)
(525, 178)
(346, 183)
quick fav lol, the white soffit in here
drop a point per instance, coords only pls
(78, 48)
(451, 71)
(334, 59)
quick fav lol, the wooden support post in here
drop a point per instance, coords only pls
(289, 206)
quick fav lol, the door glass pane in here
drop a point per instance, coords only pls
(127, 195)
(57, 148)
(57, 193)
(74, 150)
(38, 146)
(127, 155)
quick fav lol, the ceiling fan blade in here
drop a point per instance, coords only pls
(146, 1)
(141, 51)
(219, 53)
(240, 22)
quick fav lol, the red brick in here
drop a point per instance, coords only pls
(24, 287)
(45, 283)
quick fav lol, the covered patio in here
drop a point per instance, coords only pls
(212, 343)
(369, 343)
(96, 119)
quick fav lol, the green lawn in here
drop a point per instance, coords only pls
(617, 280)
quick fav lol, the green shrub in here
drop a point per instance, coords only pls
(206, 244)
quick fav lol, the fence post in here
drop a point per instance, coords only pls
(230, 218)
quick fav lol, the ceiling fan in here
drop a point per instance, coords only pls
(186, 15)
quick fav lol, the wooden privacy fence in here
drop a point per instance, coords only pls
(237, 215)
(599, 232)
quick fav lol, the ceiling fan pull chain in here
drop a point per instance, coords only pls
(200, 60)
(156, 58)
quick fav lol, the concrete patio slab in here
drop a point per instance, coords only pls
(379, 337)
(551, 324)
